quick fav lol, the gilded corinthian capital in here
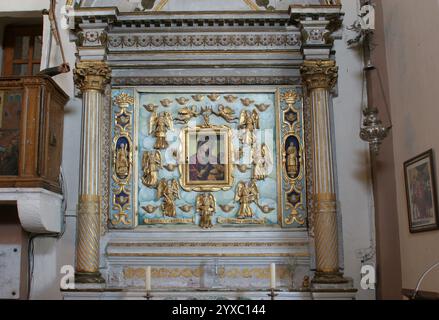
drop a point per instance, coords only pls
(91, 75)
(319, 74)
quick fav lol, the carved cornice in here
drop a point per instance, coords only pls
(319, 74)
(317, 24)
(92, 75)
(205, 80)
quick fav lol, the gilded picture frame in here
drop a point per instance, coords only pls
(206, 159)
(420, 184)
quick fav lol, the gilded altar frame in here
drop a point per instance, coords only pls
(184, 159)
(289, 216)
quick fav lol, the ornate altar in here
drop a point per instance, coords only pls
(213, 154)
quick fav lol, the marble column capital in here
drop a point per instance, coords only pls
(91, 75)
(319, 74)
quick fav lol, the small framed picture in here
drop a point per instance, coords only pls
(420, 184)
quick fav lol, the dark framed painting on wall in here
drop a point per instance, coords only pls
(420, 184)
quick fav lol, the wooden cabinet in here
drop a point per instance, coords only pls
(31, 132)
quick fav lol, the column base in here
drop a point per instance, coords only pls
(89, 278)
(329, 278)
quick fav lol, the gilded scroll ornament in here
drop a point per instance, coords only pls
(206, 207)
(169, 191)
(121, 203)
(249, 123)
(151, 163)
(246, 194)
(262, 162)
(159, 125)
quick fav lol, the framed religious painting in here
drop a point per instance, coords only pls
(206, 162)
(420, 184)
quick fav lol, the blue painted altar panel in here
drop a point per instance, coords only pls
(268, 188)
(281, 127)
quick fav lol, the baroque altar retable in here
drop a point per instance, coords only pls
(207, 153)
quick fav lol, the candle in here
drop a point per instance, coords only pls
(148, 279)
(273, 276)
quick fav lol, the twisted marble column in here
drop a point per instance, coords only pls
(320, 76)
(91, 77)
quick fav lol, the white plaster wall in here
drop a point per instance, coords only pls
(51, 254)
(352, 158)
(412, 64)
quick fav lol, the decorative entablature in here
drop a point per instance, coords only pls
(210, 30)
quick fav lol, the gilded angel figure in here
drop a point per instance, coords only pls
(249, 122)
(206, 206)
(246, 195)
(262, 162)
(159, 124)
(169, 191)
(151, 163)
